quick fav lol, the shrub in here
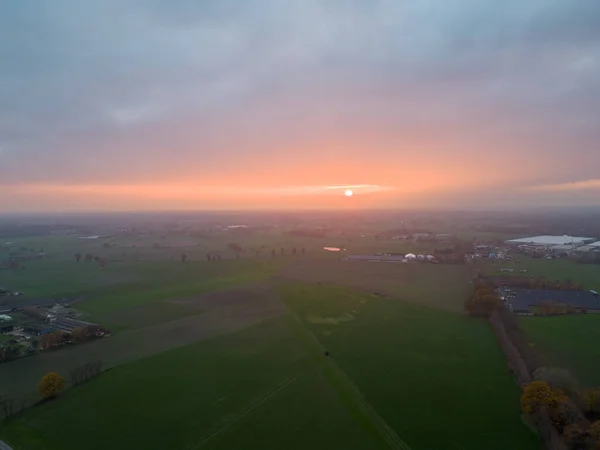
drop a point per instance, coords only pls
(595, 430)
(576, 437)
(536, 395)
(592, 400)
(564, 413)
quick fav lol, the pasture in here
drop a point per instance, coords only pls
(206, 355)
(232, 311)
(439, 286)
(568, 341)
(437, 378)
(257, 388)
(552, 269)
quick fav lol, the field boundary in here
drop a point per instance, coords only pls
(218, 430)
(516, 363)
(348, 392)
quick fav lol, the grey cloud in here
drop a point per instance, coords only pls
(81, 79)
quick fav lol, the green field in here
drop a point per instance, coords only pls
(438, 379)
(399, 376)
(551, 269)
(258, 387)
(568, 341)
(436, 285)
(205, 355)
(142, 316)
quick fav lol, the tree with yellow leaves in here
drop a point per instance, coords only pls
(50, 385)
(538, 394)
(594, 430)
(592, 399)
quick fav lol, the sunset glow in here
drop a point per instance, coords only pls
(348, 193)
(346, 105)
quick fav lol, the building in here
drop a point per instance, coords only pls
(378, 258)
(551, 240)
(520, 301)
(548, 241)
(68, 325)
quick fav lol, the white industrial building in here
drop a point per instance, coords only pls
(547, 241)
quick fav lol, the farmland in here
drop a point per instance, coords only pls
(428, 373)
(232, 311)
(568, 341)
(377, 347)
(207, 395)
(438, 286)
(233, 351)
(587, 275)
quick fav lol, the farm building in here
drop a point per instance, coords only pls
(379, 258)
(548, 241)
(68, 325)
(522, 300)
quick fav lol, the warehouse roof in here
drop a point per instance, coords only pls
(551, 240)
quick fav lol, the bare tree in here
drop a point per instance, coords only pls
(77, 257)
(7, 404)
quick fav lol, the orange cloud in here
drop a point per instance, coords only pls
(573, 186)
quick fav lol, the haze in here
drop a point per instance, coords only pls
(126, 104)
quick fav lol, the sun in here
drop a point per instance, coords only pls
(348, 193)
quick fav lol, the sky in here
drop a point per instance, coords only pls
(233, 104)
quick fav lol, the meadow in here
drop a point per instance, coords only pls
(211, 315)
(568, 341)
(397, 376)
(232, 353)
(436, 285)
(437, 378)
(587, 275)
(258, 388)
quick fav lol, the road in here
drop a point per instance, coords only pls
(4, 446)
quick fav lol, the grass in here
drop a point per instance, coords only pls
(552, 269)
(438, 379)
(309, 410)
(568, 341)
(142, 316)
(230, 392)
(20, 377)
(436, 285)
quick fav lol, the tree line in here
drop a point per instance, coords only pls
(553, 391)
(49, 387)
(572, 411)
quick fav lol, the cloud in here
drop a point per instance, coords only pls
(144, 92)
(571, 186)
